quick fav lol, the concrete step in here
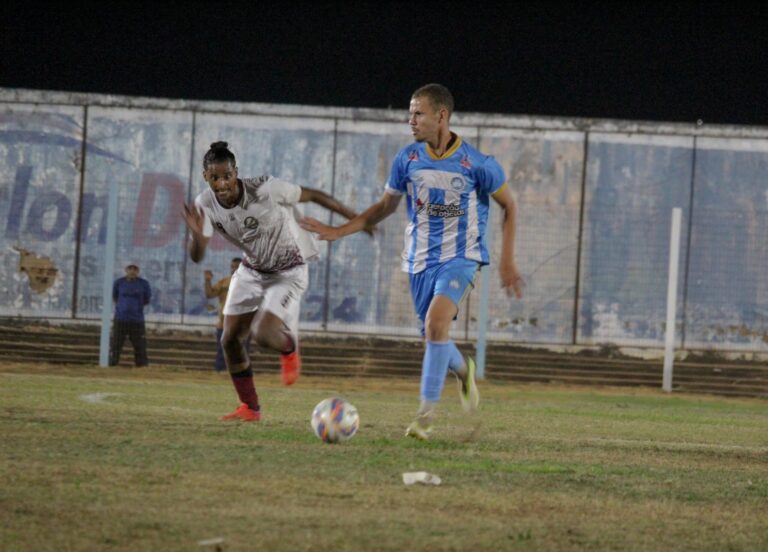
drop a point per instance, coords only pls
(29, 341)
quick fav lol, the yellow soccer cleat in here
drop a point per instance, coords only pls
(417, 431)
(468, 393)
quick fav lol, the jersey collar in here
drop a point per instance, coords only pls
(450, 151)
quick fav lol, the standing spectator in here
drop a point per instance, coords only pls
(219, 290)
(130, 294)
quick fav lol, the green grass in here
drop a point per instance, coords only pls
(150, 467)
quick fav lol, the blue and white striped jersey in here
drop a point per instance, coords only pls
(447, 200)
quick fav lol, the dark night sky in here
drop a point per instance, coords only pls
(646, 62)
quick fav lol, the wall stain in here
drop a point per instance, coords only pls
(40, 270)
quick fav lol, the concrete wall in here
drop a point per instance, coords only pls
(595, 200)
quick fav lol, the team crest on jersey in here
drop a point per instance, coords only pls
(251, 223)
(458, 184)
(465, 162)
(413, 156)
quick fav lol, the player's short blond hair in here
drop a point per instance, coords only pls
(439, 96)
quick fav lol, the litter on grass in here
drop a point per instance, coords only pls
(411, 478)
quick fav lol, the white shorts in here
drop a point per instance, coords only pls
(279, 293)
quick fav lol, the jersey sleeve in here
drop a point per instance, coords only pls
(396, 184)
(282, 191)
(490, 176)
(207, 224)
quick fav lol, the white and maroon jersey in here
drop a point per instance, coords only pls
(263, 224)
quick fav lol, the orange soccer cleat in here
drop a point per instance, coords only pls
(290, 367)
(244, 413)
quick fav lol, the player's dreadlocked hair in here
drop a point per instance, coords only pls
(218, 153)
(439, 96)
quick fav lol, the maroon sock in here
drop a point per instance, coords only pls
(243, 382)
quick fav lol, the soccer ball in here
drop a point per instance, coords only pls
(335, 420)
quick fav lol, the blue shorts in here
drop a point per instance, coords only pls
(454, 279)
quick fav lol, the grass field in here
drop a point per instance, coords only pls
(118, 459)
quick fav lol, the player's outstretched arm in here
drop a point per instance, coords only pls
(330, 203)
(194, 218)
(364, 221)
(327, 201)
(511, 280)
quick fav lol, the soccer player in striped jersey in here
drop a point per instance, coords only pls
(447, 184)
(259, 216)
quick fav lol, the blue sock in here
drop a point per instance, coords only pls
(434, 369)
(456, 361)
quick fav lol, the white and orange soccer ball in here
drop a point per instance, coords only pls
(335, 420)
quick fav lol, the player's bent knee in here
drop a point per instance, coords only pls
(229, 341)
(270, 333)
(263, 340)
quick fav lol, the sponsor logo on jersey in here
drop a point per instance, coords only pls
(444, 211)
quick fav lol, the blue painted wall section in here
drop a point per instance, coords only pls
(632, 185)
(728, 279)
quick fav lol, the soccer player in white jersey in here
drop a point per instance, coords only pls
(447, 184)
(258, 216)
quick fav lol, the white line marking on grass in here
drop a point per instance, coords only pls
(98, 397)
(682, 445)
(211, 542)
